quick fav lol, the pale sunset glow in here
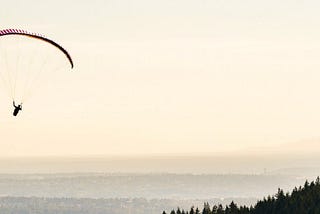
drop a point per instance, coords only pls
(170, 77)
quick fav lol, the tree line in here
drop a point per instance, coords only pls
(302, 200)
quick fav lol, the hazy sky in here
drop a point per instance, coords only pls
(170, 76)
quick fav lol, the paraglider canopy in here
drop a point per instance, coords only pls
(36, 36)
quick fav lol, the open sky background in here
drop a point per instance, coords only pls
(171, 77)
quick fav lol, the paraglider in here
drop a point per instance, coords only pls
(16, 109)
(23, 52)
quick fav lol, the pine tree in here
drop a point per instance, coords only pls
(192, 210)
(318, 181)
(197, 211)
(214, 209)
(206, 208)
(220, 209)
(233, 208)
